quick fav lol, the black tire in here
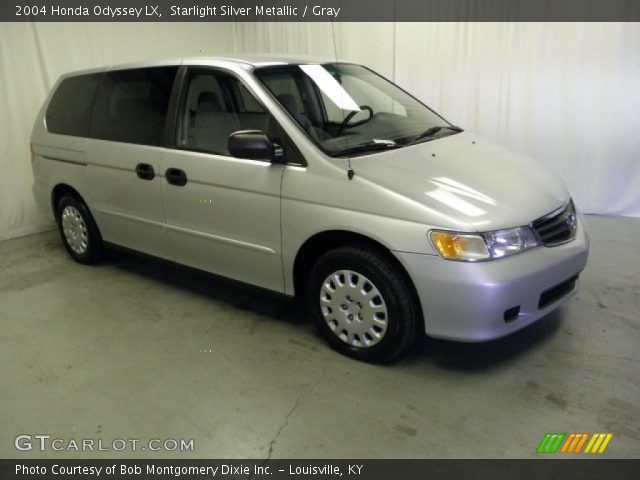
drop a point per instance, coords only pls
(89, 252)
(402, 311)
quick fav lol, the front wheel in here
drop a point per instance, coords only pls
(78, 230)
(362, 304)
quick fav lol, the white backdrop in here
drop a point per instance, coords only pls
(567, 94)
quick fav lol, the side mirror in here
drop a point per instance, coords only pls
(254, 145)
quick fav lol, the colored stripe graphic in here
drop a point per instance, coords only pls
(551, 442)
(581, 443)
(598, 443)
(568, 441)
(573, 442)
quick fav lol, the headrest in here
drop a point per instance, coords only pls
(208, 102)
(288, 101)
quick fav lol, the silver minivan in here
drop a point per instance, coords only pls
(315, 179)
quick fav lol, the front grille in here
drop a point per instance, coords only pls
(558, 227)
(555, 293)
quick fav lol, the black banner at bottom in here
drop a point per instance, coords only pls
(543, 468)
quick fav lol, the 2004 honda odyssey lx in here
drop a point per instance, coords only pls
(320, 180)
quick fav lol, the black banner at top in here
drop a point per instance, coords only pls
(320, 10)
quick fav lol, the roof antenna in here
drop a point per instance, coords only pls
(350, 172)
(335, 45)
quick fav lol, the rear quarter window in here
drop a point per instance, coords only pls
(69, 111)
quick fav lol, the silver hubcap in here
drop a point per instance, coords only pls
(75, 230)
(353, 308)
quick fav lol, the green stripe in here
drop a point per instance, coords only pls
(556, 446)
(550, 443)
(542, 448)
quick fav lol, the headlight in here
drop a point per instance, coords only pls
(473, 247)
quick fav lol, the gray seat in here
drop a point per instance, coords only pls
(212, 125)
(289, 103)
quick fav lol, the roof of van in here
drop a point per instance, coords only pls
(258, 60)
(250, 60)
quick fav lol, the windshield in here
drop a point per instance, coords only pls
(347, 109)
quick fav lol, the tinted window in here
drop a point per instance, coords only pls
(248, 102)
(284, 87)
(217, 105)
(131, 105)
(69, 112)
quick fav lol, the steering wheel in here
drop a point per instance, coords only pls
(350, 115)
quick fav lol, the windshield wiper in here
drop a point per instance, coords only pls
(372, 146)
(432, 131)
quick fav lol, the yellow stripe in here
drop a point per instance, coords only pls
(567, 442)
(598, 442)
(582, 440)
(590, 444)
(606, 442)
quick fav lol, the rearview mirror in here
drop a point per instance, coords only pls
(254, 145)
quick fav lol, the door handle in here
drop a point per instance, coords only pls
(175, 176)
(145, 171)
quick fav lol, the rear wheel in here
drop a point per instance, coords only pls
(78, 230)
(362, 304)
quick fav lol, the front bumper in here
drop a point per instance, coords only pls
(476, 302)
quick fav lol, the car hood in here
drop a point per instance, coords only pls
(465, 179)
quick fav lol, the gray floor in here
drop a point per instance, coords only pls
(140, 349)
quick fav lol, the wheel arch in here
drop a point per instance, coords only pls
(320, 243)
(59, 191)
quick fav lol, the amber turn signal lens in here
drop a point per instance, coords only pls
(445, 244)
(457, 246)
